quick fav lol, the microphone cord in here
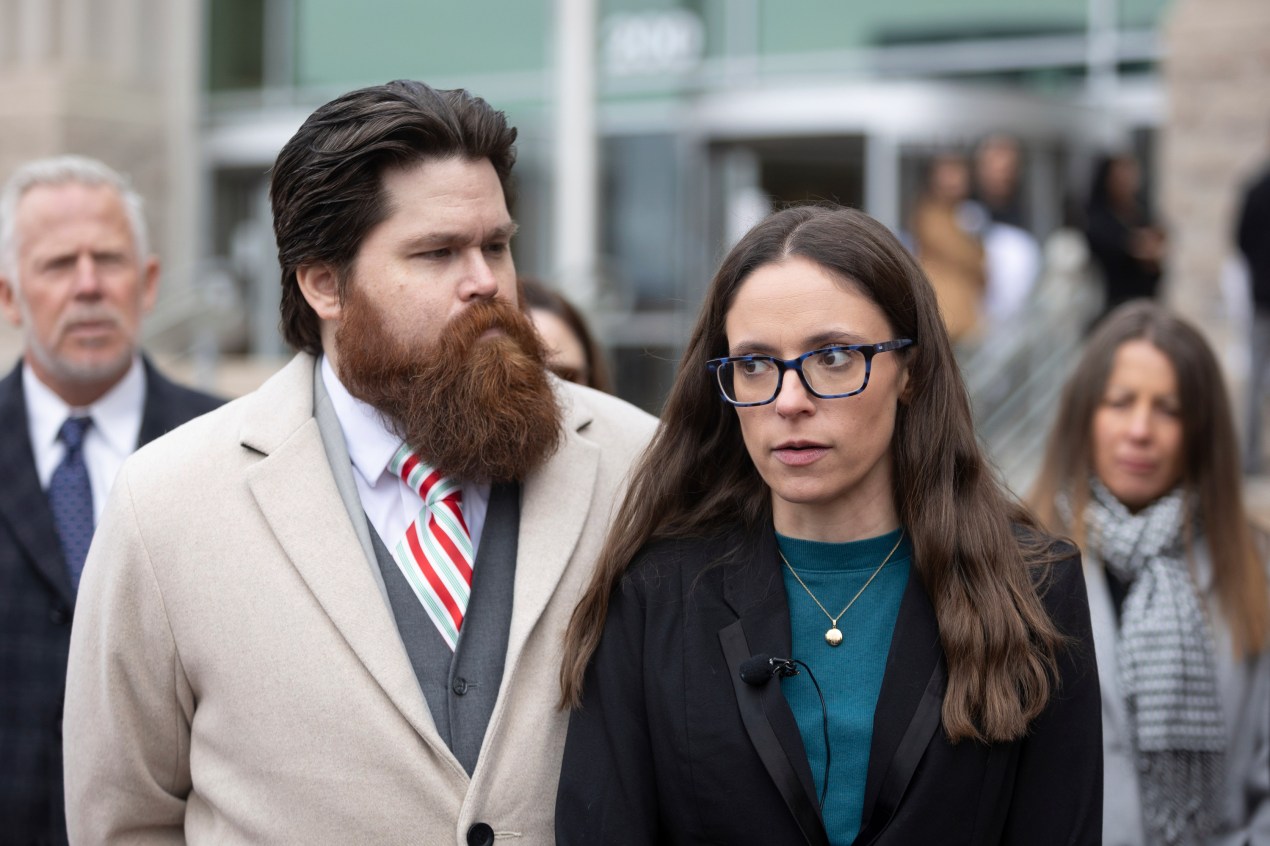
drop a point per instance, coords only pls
(758, 670)
(824, 725)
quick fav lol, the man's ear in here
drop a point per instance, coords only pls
(149, 284)
(9, 301)
(319, 283)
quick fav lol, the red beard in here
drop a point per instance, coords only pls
(477, 409)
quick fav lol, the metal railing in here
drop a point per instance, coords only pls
(1016, 374)
(190, 322)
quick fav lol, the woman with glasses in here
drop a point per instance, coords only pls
(1143, 471)
(817, 618)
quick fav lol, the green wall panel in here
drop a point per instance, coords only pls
(338, 42)
(793, 26)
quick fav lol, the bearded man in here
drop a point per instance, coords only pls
(331, 612)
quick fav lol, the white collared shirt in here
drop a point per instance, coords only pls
(112, 437)
(390, 504)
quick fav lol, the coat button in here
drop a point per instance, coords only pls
(59, 616)
(460, 687)
(480, 834)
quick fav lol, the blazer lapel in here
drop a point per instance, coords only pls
(908, 709)
(754, 590)
(23, 504)
(296, 492)
(154, 417)
(159, 414)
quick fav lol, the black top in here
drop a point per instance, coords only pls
(1254, 238)
(670, 746)
(1125, 276)
(1119, 590)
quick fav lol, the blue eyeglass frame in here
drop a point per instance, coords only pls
(796, 364)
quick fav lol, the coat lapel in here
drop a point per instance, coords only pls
(908, 710)
(1102, 620)
(23, 504)
(754, 590)
(296, 492)
(555, 503)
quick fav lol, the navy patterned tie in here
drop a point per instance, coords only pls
(71, 497)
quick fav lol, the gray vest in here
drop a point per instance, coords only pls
(461, 687)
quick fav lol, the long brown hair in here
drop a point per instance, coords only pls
(1210, 457)
(697, 477)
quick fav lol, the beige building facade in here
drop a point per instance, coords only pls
(118, 80)
(1215, 137)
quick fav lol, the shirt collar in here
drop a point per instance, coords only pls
(371, 444)
(116, 415)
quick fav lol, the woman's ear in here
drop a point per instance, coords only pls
(906, 393)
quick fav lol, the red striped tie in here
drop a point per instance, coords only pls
(435, 554)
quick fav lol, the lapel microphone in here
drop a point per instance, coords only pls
(757, 671)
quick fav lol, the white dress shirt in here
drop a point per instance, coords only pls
(390, 504)
(112, 437)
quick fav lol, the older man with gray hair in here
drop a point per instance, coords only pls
(77, 277)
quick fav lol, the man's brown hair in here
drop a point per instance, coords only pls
(327, 187)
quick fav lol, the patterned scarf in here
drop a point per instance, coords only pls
(1167, 670)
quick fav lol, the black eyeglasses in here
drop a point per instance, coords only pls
(828, 373)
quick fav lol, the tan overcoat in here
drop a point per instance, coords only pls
(237, 677)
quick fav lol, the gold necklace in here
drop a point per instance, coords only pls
(833, 637)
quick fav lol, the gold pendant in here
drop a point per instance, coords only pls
(833, 637)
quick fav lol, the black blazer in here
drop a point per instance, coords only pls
(36, 606)
(671, 746)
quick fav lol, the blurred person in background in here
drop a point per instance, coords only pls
(1142, 470)
(572, 353)
(333, 610)
(947, 236)
(1012, 255)
(1127, 247)
(997, 163)
(1253, 238)
(816, 490)
(77, 278)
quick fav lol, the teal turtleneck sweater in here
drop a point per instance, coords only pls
(850, 675)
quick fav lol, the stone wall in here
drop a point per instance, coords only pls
(1216, 135)
(117, 80)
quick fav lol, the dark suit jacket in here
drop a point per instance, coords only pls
(1125, 277)
(1254, 243)
(36, 606)
(672, 747)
